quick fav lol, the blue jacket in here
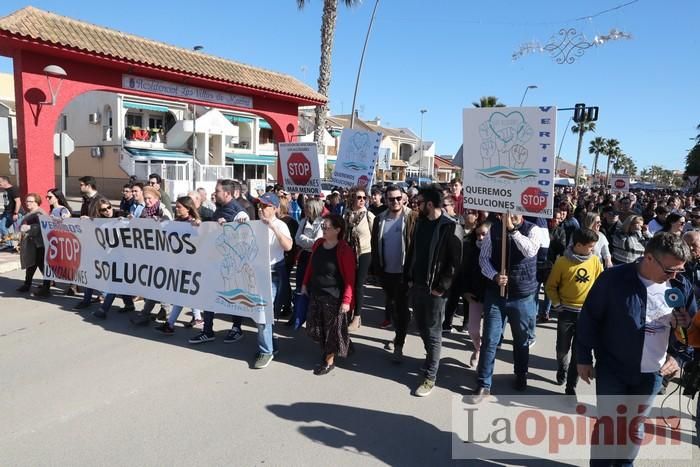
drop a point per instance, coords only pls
(227, 211)
(613, 318)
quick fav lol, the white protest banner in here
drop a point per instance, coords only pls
(384, 162)
(509, 160)
(300, 168)
(225, 269)
(357, 157)
(620, 183)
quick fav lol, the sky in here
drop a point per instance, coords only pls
(441, 55)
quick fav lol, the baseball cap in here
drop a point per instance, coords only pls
(270, 199)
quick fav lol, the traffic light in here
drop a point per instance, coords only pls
(585, 114)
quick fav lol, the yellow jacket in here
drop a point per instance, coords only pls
(569, 282)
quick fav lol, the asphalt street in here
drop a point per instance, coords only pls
(78, 391)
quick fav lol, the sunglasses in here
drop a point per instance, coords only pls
(50, 197)
(668, 271)
(108, 208)
(360, 197)
(395, 198)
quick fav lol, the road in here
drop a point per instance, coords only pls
(77, 391)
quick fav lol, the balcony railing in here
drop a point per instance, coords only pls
(211, 173)
(169, 170)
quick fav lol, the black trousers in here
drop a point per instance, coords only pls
(31, 270)
(396, 304)
(566, 340)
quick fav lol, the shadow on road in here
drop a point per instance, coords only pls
(383, 435)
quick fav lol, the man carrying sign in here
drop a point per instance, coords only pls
(518, 305)
(227, 210)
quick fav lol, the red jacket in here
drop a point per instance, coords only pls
(346, 263)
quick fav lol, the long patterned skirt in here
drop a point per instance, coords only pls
(326, 325)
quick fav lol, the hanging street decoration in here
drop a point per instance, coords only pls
(569, 45)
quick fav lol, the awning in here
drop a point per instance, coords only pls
(139, 105)
(239, 119)
(397, 163)
(250, 159)
(158, 154)
(264, 124)
(335, 133)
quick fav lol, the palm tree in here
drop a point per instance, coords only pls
(612, 150)
(488, 101)
(596, 147)
(330, 13)
(580, 129)
(620, 163)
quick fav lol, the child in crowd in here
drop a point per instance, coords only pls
(568, 285)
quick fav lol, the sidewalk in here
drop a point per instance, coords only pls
(9, 262)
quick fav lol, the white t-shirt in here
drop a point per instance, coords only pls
(657, 328)
(276, 251)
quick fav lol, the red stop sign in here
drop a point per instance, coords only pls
(619, 183)
(533, 199)
(299, 168)
(63, 254)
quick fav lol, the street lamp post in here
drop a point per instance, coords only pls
(359, 68)
(531, 86)
(420, 163)
(196, 48)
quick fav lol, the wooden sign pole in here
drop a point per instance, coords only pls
(504, 240)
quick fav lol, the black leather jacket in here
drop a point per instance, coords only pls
(445, 255)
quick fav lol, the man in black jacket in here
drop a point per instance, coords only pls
(432, 261)
(88, 190)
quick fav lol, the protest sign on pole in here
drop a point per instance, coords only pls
(508, 163)
(620, 183)
(300, 168)
(357, 158)
(255, 185)
(224, 269)
(384, 162)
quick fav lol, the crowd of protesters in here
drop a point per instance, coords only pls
(428, 253)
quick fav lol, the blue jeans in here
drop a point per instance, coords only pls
(4, 231)
(266, 343)
(519, 311)
(642, 392)
(175, 313)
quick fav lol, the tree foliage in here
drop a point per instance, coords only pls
(488, 101)
(692, 161)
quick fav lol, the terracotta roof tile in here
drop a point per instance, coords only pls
(43, 26)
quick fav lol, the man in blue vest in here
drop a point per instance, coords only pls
(518, 305)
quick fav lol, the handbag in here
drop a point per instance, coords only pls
(301, 307)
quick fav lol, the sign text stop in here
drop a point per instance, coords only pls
(299, 168)
(533, 199)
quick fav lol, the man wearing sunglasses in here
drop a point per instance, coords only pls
(391, 234)
(156, 181)
(625, 320)
(694, 223)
